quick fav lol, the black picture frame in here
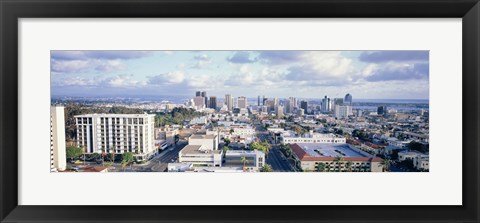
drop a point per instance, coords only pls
(12, 10)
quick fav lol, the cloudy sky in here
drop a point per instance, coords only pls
(303, 74)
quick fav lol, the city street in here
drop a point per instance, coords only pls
(278, 161)
(160, 162)
(275, 157)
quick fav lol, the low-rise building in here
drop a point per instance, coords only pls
(209, 142)
(335, 157)
(200, 155)
(254, 160)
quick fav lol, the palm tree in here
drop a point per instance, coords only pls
(225, 149)
(244, 161)
(349, 166)
(103, 154)
(321, 167)
(338, 161)
(328, 168)
(266, 168)
(386, 164)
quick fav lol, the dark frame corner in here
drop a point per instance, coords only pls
(12, 10)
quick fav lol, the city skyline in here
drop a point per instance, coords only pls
(302, 74)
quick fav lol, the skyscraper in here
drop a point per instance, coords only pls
(264, 102)
(242, 102)
(288, 106)
(199, 102)
(204, 95)
(342, 111)
(348, 99)
(337, 101)
(213, 102)
(258, 103)
(382, 110)
(304, 106)
(279, 111)
(326, 104)
(229, 101)
(198, 94)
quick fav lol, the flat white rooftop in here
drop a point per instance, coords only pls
(329, 150)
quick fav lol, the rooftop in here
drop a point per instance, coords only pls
(197, 149)
(113, 115)
(202, 137)
(329, 152)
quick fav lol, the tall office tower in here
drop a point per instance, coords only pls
(288, 108)
(290, 105)
(264, 102)
(258, 103)
(275, 102)
(198, 94)
(270, 105)
(229, 101)
(58, 157)
(304, 106)
(242, 102)
(293, 102)
(199, 102)
(382, 110)
(343, 111)
(213, 102)
(348, 99)
(325, 104)
(204, 95)
(119, 132)
(335, 102)
(279, 111)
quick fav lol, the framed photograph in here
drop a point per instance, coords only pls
(175, 111)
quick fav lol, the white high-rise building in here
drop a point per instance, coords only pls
(279, 111)
(326, 106)
(229, 102)
(343, 111)
(58, 159)
(121, 132)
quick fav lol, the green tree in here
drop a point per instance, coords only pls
(349, 166)
(266, 168)
(338, 161)
(321, 167)
(386, 164)
(124, 164)
(74, 152)
(227, 141)
(127, 158)
(262, 146)
(225, 149)
(244, 160)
